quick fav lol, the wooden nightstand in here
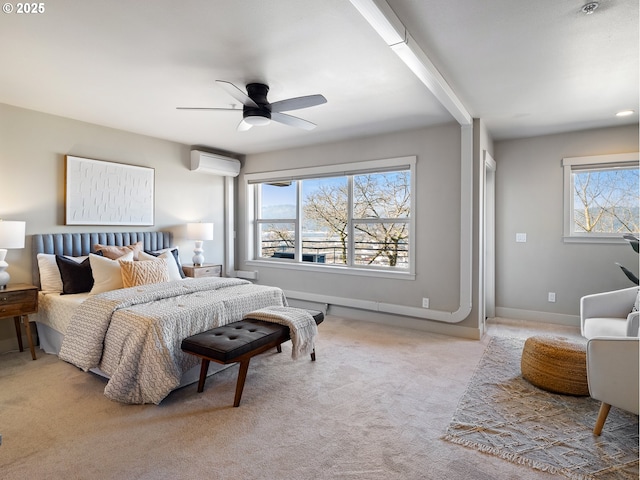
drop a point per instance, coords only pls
(19, 300)
(201, 271)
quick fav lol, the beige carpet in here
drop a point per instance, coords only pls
(374, 406)
(504, 415)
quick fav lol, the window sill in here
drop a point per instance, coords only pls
(607, 240)
(332, 269)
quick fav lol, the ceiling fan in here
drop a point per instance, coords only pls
(257, 110)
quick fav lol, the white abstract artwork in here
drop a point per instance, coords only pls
(107, 193)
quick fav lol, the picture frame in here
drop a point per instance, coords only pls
(108, 193)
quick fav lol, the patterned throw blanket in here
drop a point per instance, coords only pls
(134, 334)
(302, 326)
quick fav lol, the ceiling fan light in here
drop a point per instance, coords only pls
(257, 121)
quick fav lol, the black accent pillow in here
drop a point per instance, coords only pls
(176, 255)
(76, 277)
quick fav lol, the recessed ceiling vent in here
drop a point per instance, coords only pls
(589, 8)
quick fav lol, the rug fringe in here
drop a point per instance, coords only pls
(517, 459)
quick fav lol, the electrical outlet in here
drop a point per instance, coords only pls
(425, 303)
(521, 237)
(552, 296)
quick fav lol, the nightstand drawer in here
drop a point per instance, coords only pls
(203, 271)
(20, 302)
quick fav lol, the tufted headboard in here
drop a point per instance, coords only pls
(78, 244)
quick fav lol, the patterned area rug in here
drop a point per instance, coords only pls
(502, 414)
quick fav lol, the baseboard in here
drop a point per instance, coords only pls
(11, 344)
(399, 321)
(534, 316)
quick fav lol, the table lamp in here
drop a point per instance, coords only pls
(199, 232)
(11, 236)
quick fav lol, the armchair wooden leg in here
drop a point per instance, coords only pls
(602, 417)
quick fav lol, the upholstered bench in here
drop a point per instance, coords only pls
(238, 342)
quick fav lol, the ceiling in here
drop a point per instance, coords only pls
(526, 68)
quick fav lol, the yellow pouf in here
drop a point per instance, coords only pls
(556, 364)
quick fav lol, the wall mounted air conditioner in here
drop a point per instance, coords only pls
(214, 164)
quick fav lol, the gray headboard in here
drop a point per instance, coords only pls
(78, 244)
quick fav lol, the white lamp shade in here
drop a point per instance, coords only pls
(200, 231)
(12, 234)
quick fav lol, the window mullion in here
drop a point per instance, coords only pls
(298, 223)
(257, 231)
(351, 236)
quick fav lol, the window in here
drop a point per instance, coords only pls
(602, 196)
(355, 217)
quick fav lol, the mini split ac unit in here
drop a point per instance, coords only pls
(213, 164)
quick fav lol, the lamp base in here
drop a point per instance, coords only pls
(4, 276)
(198, 258)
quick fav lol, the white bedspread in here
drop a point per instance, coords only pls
(134, 334)
(55, 310)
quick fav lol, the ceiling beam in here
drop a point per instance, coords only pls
(384, 21)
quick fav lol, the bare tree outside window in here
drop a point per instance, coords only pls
(606, 200)
(379, 219)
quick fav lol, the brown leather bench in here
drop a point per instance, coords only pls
(238, 342)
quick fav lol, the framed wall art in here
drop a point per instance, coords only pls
(108, 193)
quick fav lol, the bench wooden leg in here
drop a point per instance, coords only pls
(242, 376)
(204, 368)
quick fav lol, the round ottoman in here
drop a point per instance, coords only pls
(555, 364)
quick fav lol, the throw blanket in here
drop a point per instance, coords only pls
(302, 326)
(134, 334)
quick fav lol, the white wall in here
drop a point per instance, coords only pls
(32, 150)
(437, 240)
(529, 182)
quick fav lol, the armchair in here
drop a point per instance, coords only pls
(612, 374)
(609, 314)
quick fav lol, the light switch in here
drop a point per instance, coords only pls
(521, 237)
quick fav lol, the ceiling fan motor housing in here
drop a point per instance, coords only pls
(258, 93)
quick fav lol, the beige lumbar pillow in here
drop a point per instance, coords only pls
(114, 252)
(144, 273)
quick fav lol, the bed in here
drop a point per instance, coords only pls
(131, 333)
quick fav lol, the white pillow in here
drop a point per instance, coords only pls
(174, 273)
(106, 273)
(50, 279)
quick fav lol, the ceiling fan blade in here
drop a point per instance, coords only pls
(297, 103)
(292, 121)
(243, 126)
(209, 108)
(236, 93)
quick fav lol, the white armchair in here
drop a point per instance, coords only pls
(612, 374)
(609, 314)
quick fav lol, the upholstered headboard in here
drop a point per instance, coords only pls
(78, 244)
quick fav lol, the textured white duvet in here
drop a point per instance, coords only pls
(134, 334)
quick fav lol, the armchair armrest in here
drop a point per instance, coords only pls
(633, 322)
(612, 371)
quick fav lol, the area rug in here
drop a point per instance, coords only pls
(502, 414)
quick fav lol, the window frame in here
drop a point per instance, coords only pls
(347, 169)
(571, 164)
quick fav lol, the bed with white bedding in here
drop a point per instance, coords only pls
(132, 334)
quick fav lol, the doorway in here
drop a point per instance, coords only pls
(488, 237)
